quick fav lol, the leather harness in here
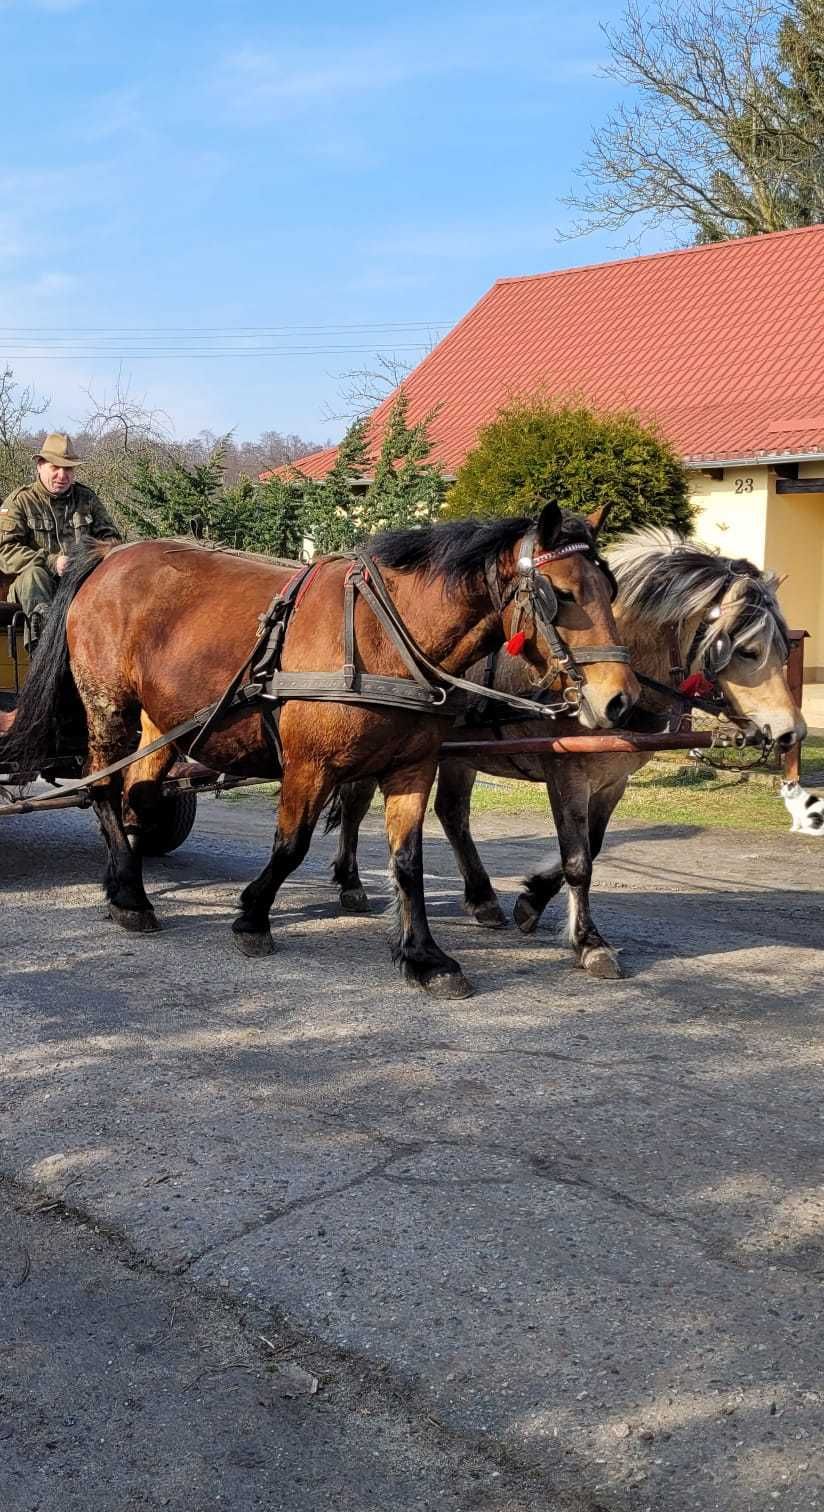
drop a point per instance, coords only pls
(428, 685)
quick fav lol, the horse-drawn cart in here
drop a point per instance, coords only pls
(161, 635)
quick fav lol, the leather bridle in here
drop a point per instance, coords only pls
(685, 686)
(535, 599)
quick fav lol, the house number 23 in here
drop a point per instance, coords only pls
(743, 485)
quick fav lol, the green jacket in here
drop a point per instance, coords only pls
(37, 527)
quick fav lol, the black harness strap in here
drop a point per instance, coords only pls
(686, 700)
(271, 630)
(352, 686)
(268, 687)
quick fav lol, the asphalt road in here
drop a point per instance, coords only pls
(577, 1224)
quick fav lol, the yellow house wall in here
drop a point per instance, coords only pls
(743, 515)
(732, 511)
(795, 546)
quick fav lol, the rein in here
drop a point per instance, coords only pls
(350, 685)
(270, 687)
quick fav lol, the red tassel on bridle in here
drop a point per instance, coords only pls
(697, 686)
(516, 643)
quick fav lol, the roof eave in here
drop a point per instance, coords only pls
(757, 459)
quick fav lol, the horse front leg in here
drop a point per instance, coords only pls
(575, 824)
(453, 799)
(303, 794)
(421, 961)
(355, 798)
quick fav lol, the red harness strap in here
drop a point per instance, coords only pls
(304, 585)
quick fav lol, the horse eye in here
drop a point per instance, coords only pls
(564, 598)
(753, 656)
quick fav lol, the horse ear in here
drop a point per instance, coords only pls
(599, 516)
(549, 523)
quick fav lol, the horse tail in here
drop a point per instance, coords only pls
(334, 812)
(49, 699)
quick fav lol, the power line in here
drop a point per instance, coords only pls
(230, 332)
(42, 352)
(38, 343)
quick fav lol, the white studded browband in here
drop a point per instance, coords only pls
(552, 556)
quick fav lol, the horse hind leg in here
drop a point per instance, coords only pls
(303, 793)
(111, 731)
(421, 960)
(453, 798)
(540, 887)
(355, 798)
(141, 784)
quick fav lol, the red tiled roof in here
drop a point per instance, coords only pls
(721, 345)
(315, 465)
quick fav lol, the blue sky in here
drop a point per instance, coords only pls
(191, 170)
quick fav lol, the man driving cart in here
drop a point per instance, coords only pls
(40, 522)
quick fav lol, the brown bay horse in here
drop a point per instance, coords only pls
(150, 633)
(676, 601)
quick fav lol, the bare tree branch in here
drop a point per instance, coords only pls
(725, 133)
(19, 404)
(122, 418)
(363, 389)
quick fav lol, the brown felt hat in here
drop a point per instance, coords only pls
(58, 449)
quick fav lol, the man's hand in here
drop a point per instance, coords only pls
(61, 564)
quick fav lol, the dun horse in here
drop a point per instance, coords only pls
(681, 609)
(150, 633)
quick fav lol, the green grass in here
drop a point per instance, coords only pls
(670, 789)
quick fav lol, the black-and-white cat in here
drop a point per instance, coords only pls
(805, 809)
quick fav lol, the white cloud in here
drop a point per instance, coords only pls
(259, 83)
(13, 243)
(48, 285)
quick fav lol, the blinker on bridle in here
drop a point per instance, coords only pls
(719, 652)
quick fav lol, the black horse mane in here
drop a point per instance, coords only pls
(458, 550)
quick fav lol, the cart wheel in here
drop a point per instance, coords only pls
(170, 824)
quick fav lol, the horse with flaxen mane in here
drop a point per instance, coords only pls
(682, 610)
(143, 637)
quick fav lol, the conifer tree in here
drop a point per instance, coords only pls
(535, 452)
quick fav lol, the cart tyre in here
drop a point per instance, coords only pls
(170, 824)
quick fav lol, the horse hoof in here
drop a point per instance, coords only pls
(525, 914)
(448, 984)
(135, 920)
(599, 961)
(253, 945)
(488, 915)
(354, 900)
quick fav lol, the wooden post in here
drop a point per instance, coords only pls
(795, 682)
